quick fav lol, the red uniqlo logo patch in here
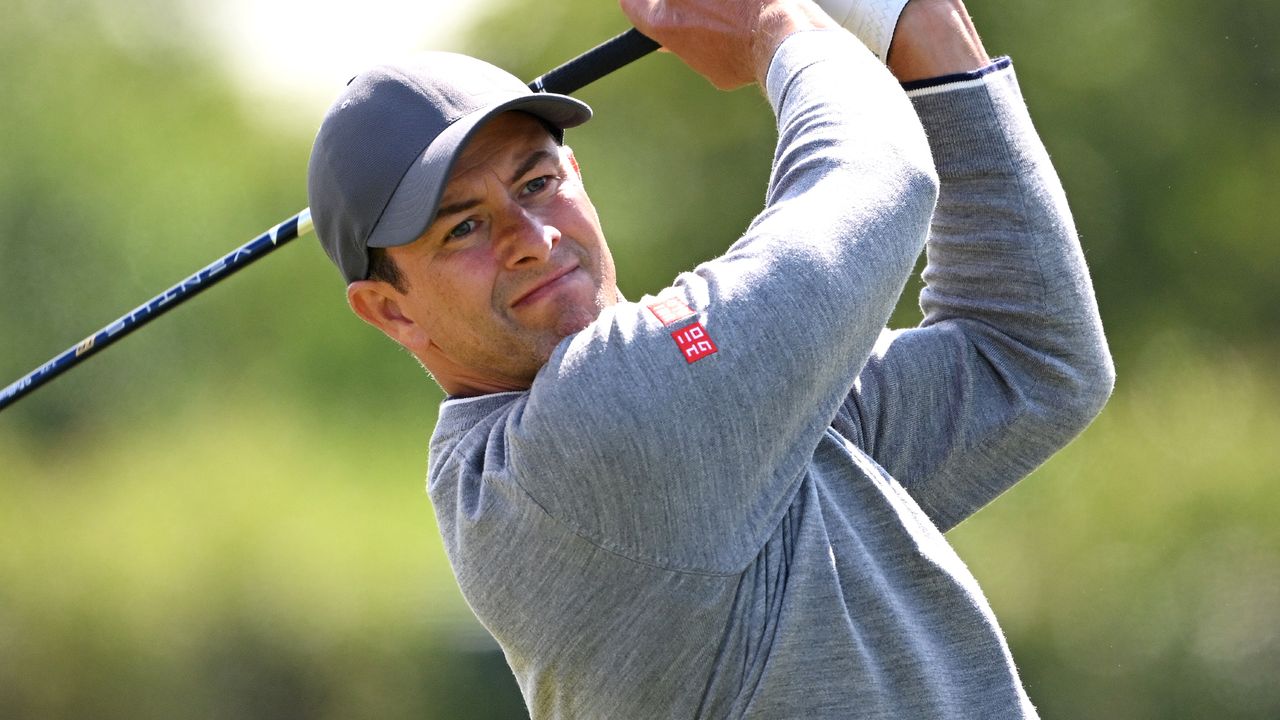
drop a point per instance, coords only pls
(694, 342)
(670, 311)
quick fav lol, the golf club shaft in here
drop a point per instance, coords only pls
(567, 78)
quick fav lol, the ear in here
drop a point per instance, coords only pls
(381, 305)
(572, 159)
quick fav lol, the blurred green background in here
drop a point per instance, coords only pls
(224, 515)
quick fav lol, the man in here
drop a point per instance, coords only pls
(728, 499)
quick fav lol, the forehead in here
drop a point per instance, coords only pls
(503, 141)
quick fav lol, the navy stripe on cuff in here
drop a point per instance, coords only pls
(1000, 63)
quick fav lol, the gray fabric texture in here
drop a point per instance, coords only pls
(758, 534)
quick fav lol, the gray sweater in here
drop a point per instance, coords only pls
(727, 500)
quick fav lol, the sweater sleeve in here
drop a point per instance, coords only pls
(1010, 362)
(674, 430)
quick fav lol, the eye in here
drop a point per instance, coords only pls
(461, 230)
(537, 184)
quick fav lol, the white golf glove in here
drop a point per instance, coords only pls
(871, 21)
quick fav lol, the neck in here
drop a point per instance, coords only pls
(460, 381)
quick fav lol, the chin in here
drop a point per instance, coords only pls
(575, 321)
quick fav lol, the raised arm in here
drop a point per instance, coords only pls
(686, 455)
(1010, 362)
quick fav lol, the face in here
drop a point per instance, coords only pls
(514, 261)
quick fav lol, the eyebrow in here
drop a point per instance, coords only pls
(455, 208)
(529, 163)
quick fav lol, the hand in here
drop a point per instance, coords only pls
(729, 42)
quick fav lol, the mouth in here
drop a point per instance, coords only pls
(544, 286)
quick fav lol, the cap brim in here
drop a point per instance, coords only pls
(413, 205)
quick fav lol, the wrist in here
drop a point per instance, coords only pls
(776, 23)
(935, 38)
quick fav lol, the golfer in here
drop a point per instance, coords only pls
(727, 499)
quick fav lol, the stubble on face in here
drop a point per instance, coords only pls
(528, 266)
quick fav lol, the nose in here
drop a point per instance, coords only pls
(524, 238)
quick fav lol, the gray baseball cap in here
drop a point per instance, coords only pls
(386, 147)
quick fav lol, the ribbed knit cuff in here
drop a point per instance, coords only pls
(977, 127)
(946, 83)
